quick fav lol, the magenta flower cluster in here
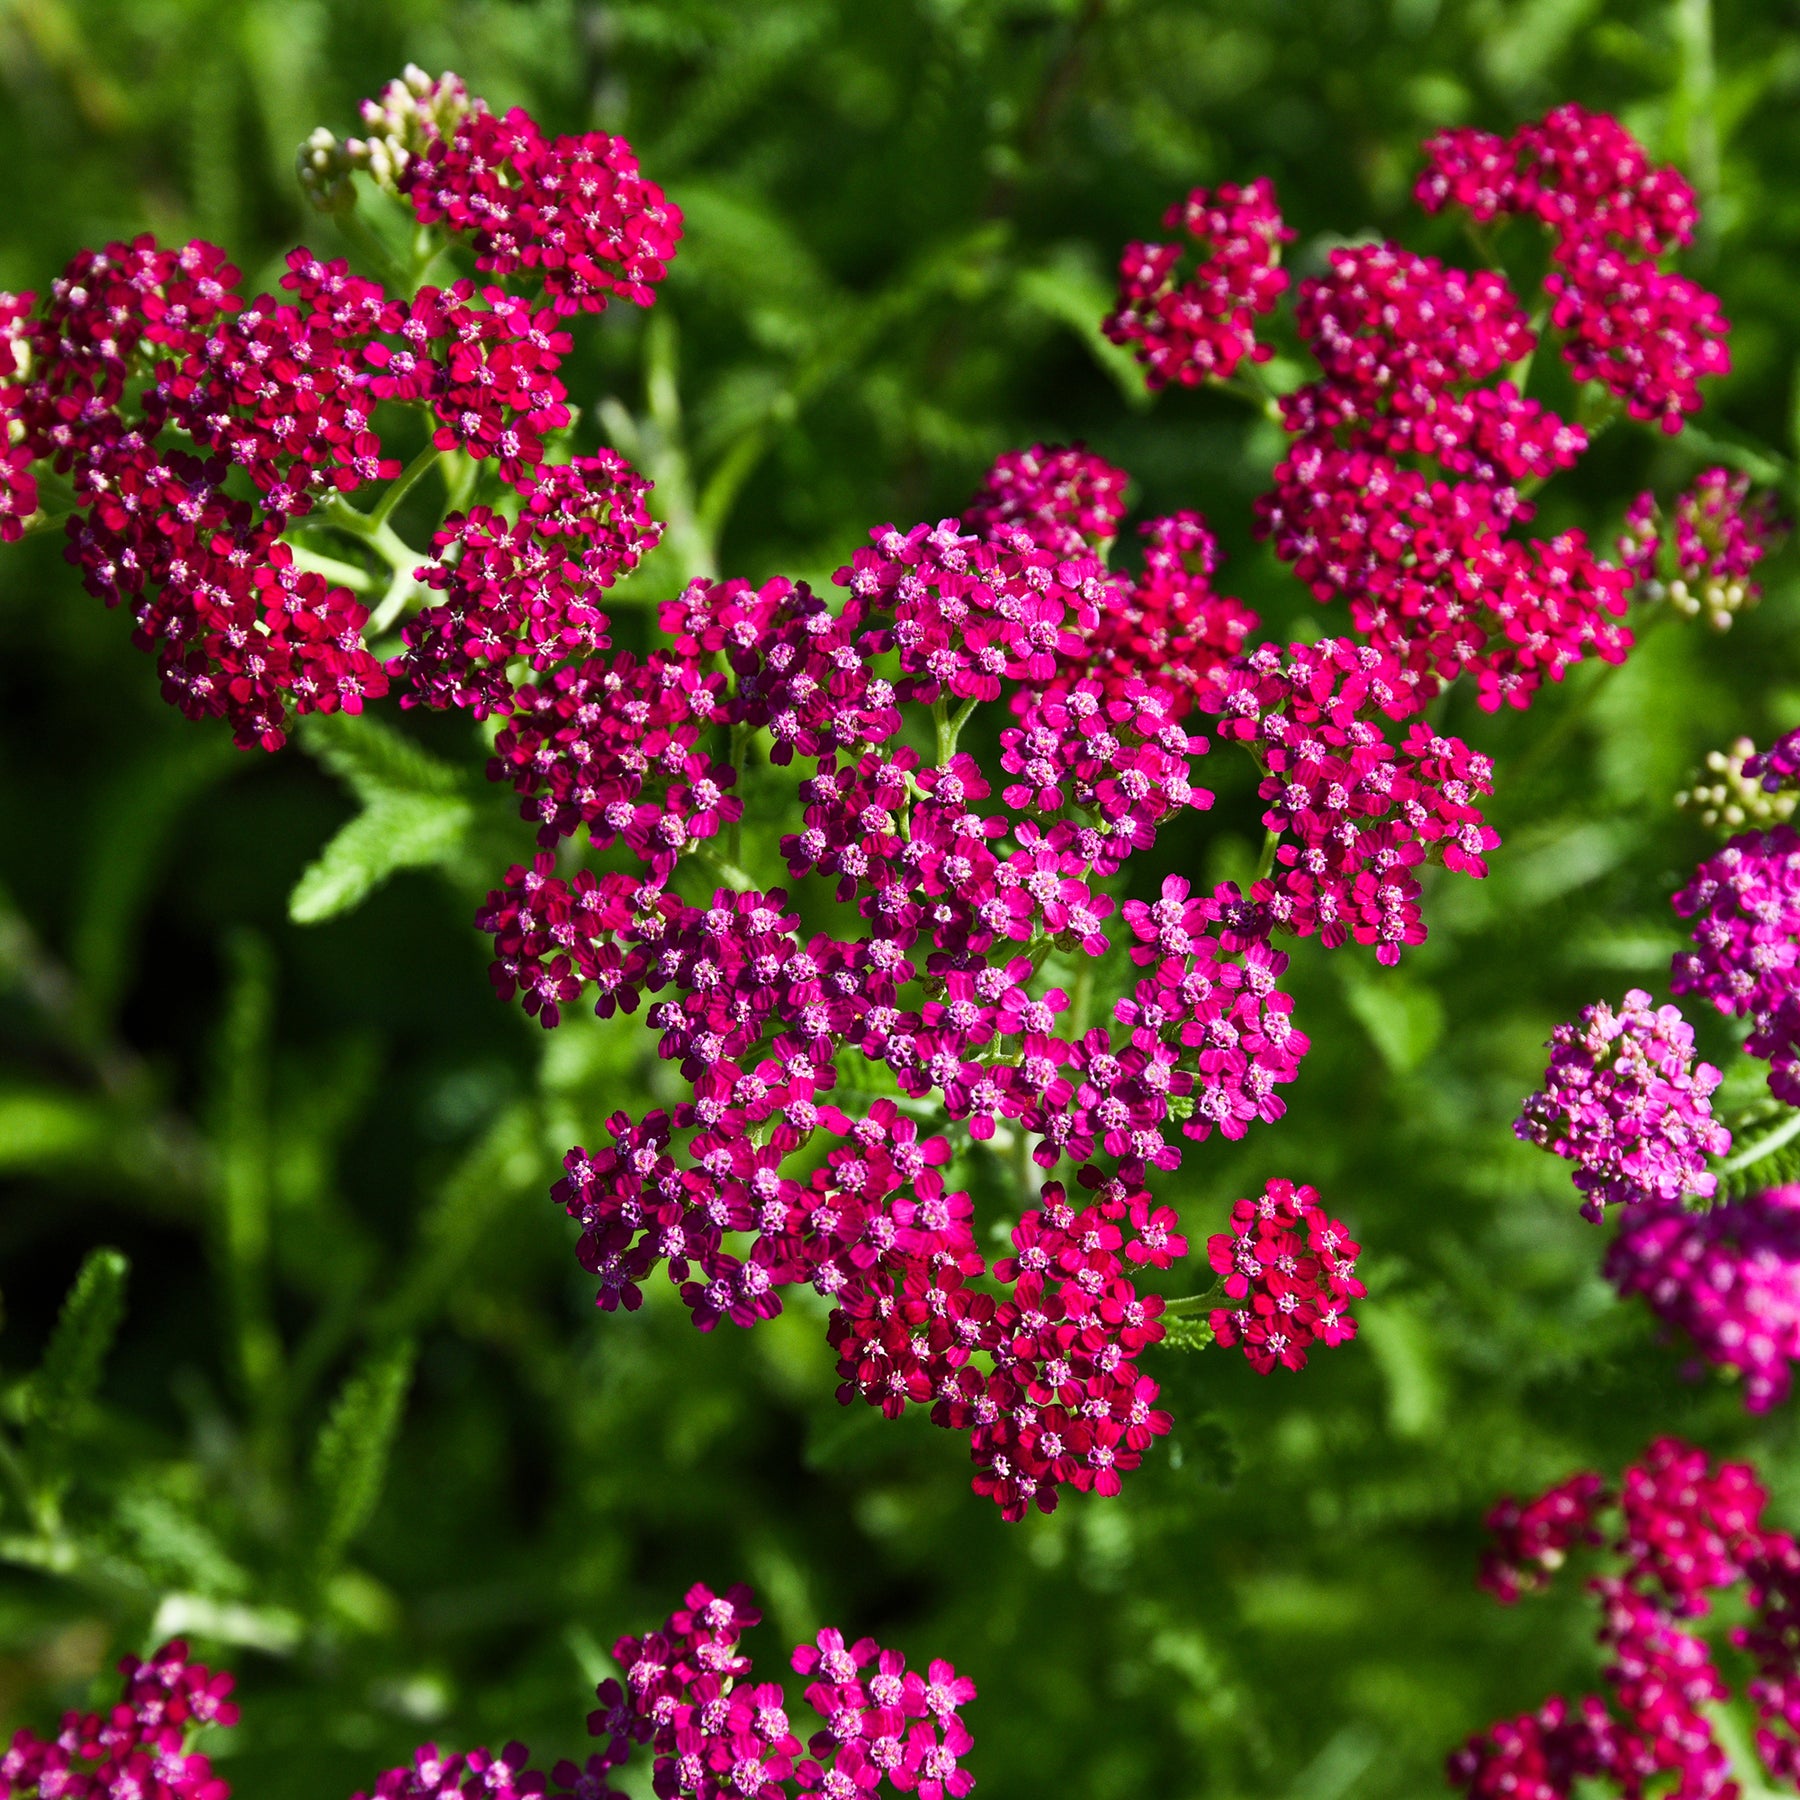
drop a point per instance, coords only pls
(1626, 1102)
(1676, 1533)
(195, 427)
(1291, 1272)
(714, 1734)
(1194, 322)
(1729, 1279)
(1416, 451)
(141, 1747)
(717, 1736)
(1745, 903)
(1415, 454)
(1647, 335)
(965, 895)
(981, 733)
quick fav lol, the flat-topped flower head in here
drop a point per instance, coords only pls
(1728, 1280)
(1190, 322)
(1065, 498)
(1626, 1102)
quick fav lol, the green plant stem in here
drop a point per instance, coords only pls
(950, 726)
(1082, 1000)
(734, 877)
(374, 530)
(1188, 1305)
(1265, 863)
(402, 483)
(1764, 1146)
(349, 575)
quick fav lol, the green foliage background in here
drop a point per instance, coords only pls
(325, 1149)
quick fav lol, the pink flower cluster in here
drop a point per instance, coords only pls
(1292, 1272)
(715, 1735)
(1409, 351)
(137, 345)
(718, 1736)
(1354, 814)
(573, 213)
(524, 588)
(135, 339)
(1532, 1539)
(1194, 324)
(1067, 500)
(1416, 450)
(1646, 335)
(1703, 556)
(964, 897)
(1745, 902)
(1624, 1100)
(1728, 1278)
(141, 1746)
(1677, 1532)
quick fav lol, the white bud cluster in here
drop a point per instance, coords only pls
(411, 113)
(1731, 802)
(1715, 599)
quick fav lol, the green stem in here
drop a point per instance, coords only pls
(1027, 1168)
(1265, 863)
(1764, 1146)
(1253, 391)
(734, 838)
(399, 486)
(392, 603)
(1082, 1000)
(728, 872)
(1190, 1304)
(349, 575)
(950, 726)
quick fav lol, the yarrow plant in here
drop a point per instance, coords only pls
(966, 946)
(1628, 1104)
(1675, 1534)
(142, 1745)
(685, 1693)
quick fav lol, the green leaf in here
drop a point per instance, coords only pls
(373, 759)
(1186, 1334)
(414, 814)
(1071, 290)
(350, 1460)
(237, 1115)
(66, 1380)
(1403, 1019)
(393, 833)
(41, 1129)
